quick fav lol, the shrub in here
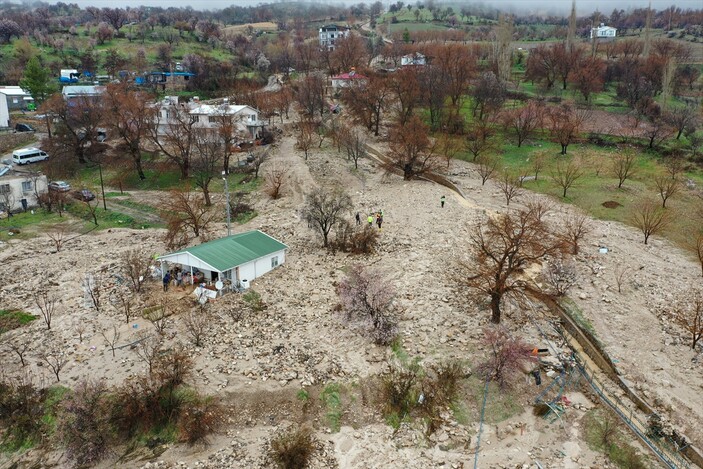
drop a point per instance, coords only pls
(355, 239)
(253, 299)
(439, 389)
(293, 450)
(21, 412)
(398, 390)
(506, 353)
(199, 418)
(84, 425)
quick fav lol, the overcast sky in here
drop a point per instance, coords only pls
(583, 6)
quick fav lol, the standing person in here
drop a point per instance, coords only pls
(442, 200)
(370, 219)
(167, 280)
(358, 219)
(379, 220)
(179, 279)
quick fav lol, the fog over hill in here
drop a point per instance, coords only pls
(536, 6)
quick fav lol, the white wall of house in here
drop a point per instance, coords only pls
(206, 116)
(21, 187)
(186, 259)
(259, 267)
(4, 113)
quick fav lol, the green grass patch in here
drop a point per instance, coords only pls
(107, 219)
(109, 195)
(13, 319)
(332, 400)
(136, 206)
(501, 404)
(604, 432)
(245, 217)
(577, 316)
(28, 223)
(54, 396)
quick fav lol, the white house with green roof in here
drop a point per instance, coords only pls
(239, 258)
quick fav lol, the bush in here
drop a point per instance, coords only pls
(253, 299)
(398, 390)
(84, 426)
(356, 240)
(439, 389)
(199, 418)
(293, 450)
(21, 412)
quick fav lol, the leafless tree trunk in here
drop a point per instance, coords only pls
(57, 234)
(576, 227)
(275, 181)
(667, 187)
(148, 348)
(689, 314)
(125, 303)
(487, 165)
(46, 302)
(55, 359)
(510, 186)
(93, 285)
(650, 218)
(157, 316)
(566, 174)
(19, 345)
(111, 338)
(197, 323)
(621, 274)
(624, 166)
(80, 329)
(135, 265)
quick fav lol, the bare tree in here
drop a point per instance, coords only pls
(698, 248)
(487, 165)
(650, 218)
(187, 216)
(80, 328)
(136, 267)
(510, 186)
(275, 181)
(667, 187)
(560, 275)
(111, 338)
(47, 304)
(94, 287)
(566, 173)
(57, 234)
(576, 226)
(324, 209)
(503, 247)
(91, 207)
(538, 163)
(675, 167)
(367, 297)
(206, 161)
(259, 159)
(148, 347)
(158, 315)
(124, 302)
(622, 271)
(19, 344)
(54, 358)
(355, 144)
(624, 166)
(479, 139)
(411, 150)
(197, 324)
(306, 137)
(524, 121)
(688, 314)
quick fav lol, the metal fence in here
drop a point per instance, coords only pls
(666, 449)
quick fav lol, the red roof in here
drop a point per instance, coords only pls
(349, 76)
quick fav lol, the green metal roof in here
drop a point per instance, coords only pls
(231, 251)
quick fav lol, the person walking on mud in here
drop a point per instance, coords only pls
(370, 219)
(379, 220)
(167, 280)
(442, 200)
(358, 219)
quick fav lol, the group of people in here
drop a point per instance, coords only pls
(376, 216)
(177, 277)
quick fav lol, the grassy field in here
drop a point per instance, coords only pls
(599, 184)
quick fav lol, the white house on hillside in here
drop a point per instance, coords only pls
(19, 188)
(603, 32)
(330, 33)
(413, 59)
(207, 116)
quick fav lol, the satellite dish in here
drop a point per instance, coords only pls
(219, 285)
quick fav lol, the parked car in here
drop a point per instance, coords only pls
(59, 186)
(28, 155)
(24, 128)
(83, 195)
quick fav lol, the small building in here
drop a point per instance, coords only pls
(245, 119)
(234, 260)
(16, 98)
(171, 81)
(20, 188)
(330, 33)
(346, 79)
(603, 32)
(77, 91)
(413, 59)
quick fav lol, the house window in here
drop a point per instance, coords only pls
(274, 261)
(212, 119)
(5, 189)
(27, 186)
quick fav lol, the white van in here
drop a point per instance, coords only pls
(28, 155)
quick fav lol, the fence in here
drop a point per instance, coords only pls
(667, 450)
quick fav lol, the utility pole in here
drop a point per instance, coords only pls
(102, 186)
(229, 222)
